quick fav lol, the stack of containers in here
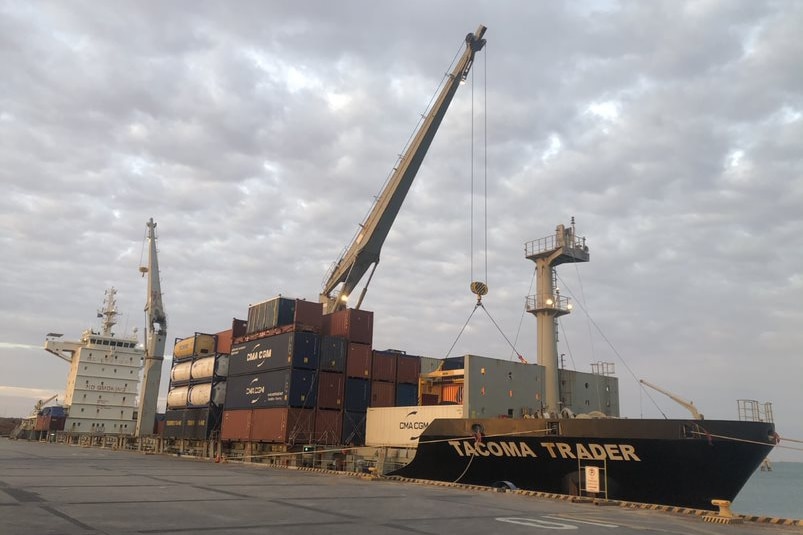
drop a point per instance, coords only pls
(356, 327)
(272, 386)
(197, 385)
(331, 388)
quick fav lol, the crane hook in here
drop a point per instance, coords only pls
(479, 289)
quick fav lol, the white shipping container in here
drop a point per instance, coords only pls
(401, 426)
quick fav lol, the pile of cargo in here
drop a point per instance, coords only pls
(297, 376)
(197, 386)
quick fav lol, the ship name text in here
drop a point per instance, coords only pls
(552, 450)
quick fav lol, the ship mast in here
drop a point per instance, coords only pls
(155, 337)
(109, 312)
(547, 304)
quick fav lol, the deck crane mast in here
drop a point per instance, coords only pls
(689, 405)
(155, 338)
(363, 253)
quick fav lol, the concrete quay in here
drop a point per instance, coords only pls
(71, 490)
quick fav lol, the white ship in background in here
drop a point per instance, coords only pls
(103, 381)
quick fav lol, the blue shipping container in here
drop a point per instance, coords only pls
(406, 395)
(290, 387)
(293, 349)
(357, 394)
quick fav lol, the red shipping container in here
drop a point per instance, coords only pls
(383, 394)
(353, 325)
(358, 360)
(309, 314)
(282, 425)
(330, 390)
(408, 368)
(224, 342)
(383, 367)
(328, 426)
(236, 425)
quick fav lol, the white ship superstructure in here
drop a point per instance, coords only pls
(103, 381)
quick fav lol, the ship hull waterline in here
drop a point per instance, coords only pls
(680, 463)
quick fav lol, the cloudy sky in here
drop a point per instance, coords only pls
(257, 134)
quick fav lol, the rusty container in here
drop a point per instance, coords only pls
(383, 394)
(236, 425)
(328, 426)
(353, 325)
(283, 426)
(408, 368)
(330, 390)
(358, 360)
(333, 351)
(383, 366)
(224, 342)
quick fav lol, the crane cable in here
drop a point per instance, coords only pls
(480, 287)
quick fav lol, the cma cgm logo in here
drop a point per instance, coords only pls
(409, 424)
(254, 389)
(259, 356)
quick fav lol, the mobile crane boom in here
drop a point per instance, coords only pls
(364, 250)
(155, 338)
(688, 404)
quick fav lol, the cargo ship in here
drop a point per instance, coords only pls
(686, 463)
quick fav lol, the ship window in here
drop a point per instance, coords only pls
(586, 385)
(588, 403)
(82, 409)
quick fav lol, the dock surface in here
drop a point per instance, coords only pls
(66, 490)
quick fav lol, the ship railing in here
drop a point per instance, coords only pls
(554, 241)
(547, 301)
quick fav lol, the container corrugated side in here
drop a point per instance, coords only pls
(296, 349)
(328, 426)
(236, 425)
(358, 360)
(402, 426)
(354, 325)
(408, 367)
(330, 390)
(383, 394)
(277, 388)
(383, 366)
(333, 351)
(224, 339)
(406, 395)
(357, 394)
(285, 425)
(174, 423)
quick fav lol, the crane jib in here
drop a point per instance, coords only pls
(364, 250)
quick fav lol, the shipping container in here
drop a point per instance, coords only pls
(281, 311)
(401, 426)
(174, 423)
(207, 368)
(283, 426)
(293, 349)
(177, 397)
(199, 345)
(236, 425)
(180, 374)
(328, 426)
(353, 325)
(200, 424)
(330, 390)
(207, 394)
(358, 360)
(406, 395)
(383, 394)
(383, 366)
(238, 328)
(309, 315)
(353, 428)
(408, 368)
(357, 394)
(224, 341)
(430, 364)
(290, 387)
(333, 353)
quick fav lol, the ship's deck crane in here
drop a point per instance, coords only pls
(364, 250)
(155, 338)
(688, 404)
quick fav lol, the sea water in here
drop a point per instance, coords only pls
(777, 493)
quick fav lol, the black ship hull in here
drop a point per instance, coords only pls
(669, 462)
